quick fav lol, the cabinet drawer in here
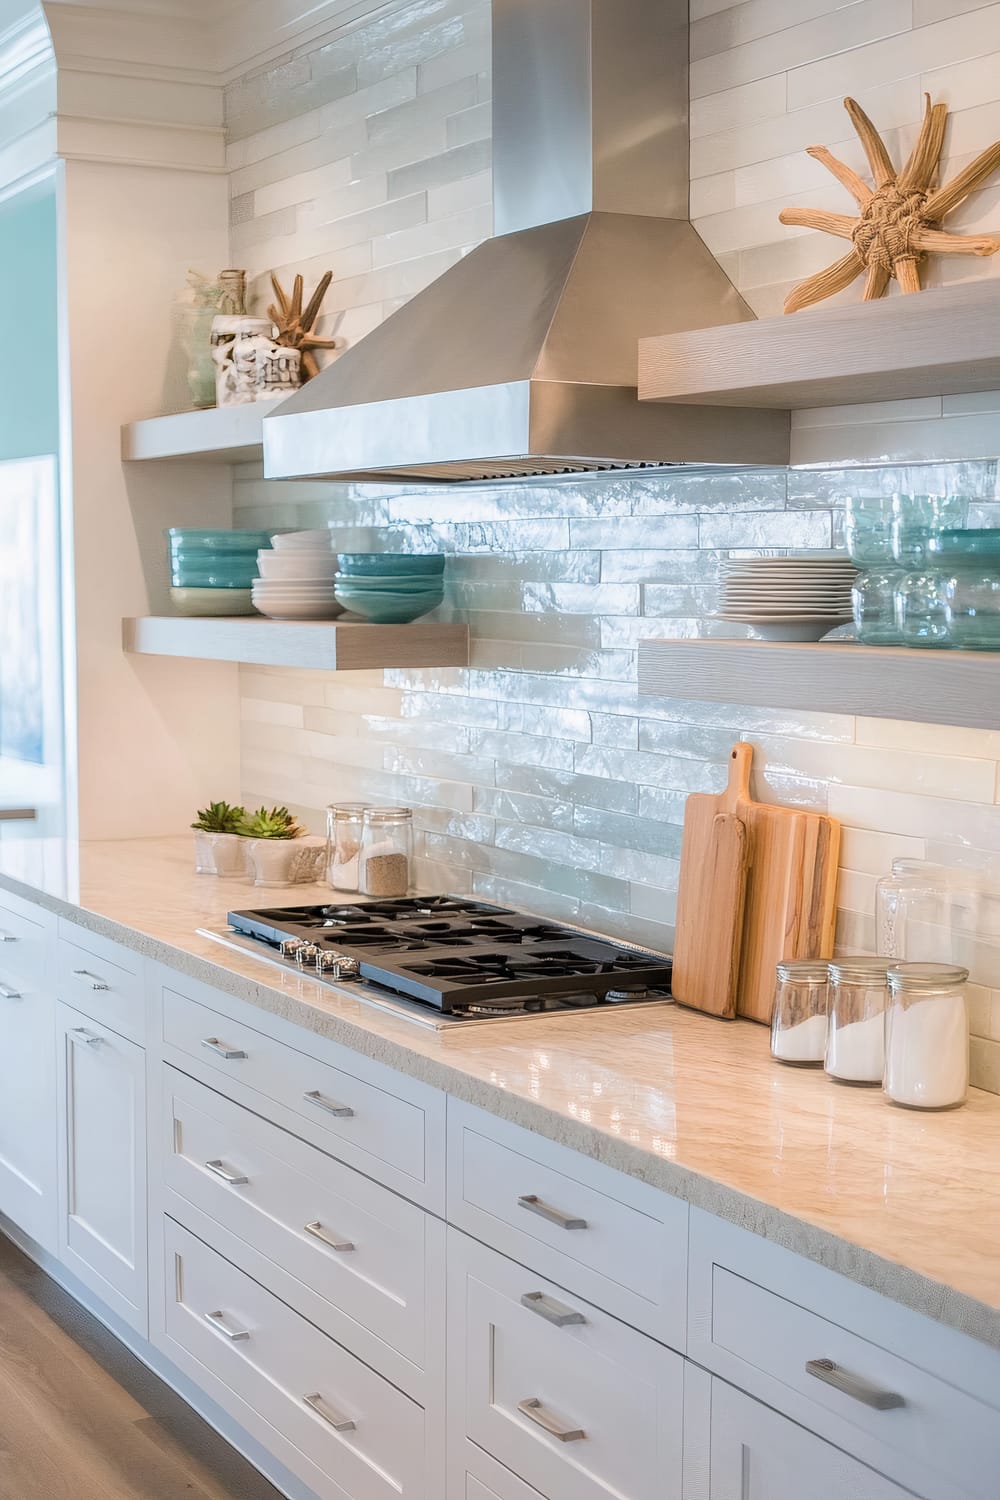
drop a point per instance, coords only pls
(843, 1363)
(25, 941)
(350, 1255)
(578, 1404)
(617, 1242)
(341, 1428)
(102, 979)
(372, 1129)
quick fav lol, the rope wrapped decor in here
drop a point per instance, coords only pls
(899, 219)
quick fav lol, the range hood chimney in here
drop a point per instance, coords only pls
(521, 359)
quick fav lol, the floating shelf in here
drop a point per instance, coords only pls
(220, 434)
(932, 687)
(324, 644)
(943, 342)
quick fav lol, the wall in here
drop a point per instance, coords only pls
(29, 408)
(538, 776)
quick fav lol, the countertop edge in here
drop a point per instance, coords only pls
(891, 1279)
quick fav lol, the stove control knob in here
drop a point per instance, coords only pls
(306, 952)
(336, 966)
(290, 947)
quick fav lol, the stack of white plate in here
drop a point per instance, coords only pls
(297, 577)
(787, 598)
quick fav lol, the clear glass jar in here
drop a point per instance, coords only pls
(799, 1017)
(968, 567)
(873, 599)
(918, 519)
(855, 1041)
(344, 823)
(888, 938)
(927, 1036)
(868, 529)
(386, 852)
(921, 605)
(935, 913)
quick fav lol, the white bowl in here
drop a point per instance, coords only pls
(300, 610)
(296, 564)
(294, 541)
(205, 602)
(294, 585)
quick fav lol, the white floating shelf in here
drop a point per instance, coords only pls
(942, 342)
(219, 434)
(324, 644)
(882, 682)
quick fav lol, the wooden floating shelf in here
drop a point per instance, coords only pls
(220, 434)
(943, 342)
(324, 644)
(881, 682)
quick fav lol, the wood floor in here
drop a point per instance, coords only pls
(82, 1419)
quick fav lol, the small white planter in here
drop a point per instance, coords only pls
(220, 854)
(284, 862)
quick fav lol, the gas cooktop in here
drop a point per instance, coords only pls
(446, 960)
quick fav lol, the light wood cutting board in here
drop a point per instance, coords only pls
(791, 899)
(715, 853)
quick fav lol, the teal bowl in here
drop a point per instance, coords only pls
(213, 578)
(389, 609)
(389, 585)
(363, 564)
(185, 539)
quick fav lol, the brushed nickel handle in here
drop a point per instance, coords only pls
(535, 1412)
(535, 1205)
(552, 1311)
(327, 1237)
(90, 1037)
(95, 982)
(342, 1111)
(233, 1179)
(7, 937)
(231, 1054)
(854, 1386)
(334, 1418)
(6, 993)
(218, 1321)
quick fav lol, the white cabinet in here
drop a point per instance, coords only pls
(102, 1162)
(758, 1455)
(27, 1078)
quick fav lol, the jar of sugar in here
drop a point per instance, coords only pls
(386, 852)
(927, 1036)
(798, 1020)
(855, 1038)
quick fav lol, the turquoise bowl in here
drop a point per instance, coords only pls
(389, 609)
(212, 577)
(185, 539)
(361, 564)
(372, 585)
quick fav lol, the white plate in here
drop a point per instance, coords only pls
(326, 611)
(292, 541)
(750, 617)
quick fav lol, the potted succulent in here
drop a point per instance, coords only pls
(219, 845)
(279, 850)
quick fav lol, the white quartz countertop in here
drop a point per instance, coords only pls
(903, 1202)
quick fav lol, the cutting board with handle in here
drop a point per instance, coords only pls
(715, 856)
(791, 898)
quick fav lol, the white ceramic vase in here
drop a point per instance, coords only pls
(220, 854)
(284, 862)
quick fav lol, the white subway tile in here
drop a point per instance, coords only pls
(930, 739)
(917, 409)
(733, 108)
(733, 25)
(873, 853)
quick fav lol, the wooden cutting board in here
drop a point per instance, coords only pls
(791, 899)
(715, 854)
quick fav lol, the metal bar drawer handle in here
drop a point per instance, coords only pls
(535, 1412)
(218, 1321)
(853, 1385)
(7, 937)
(231, 1054)
(95, 983)
(534, 1205)
(319, 1233)
(234, 1179)
(334, 1418)
(90, 1037)
(342, 1111)
(7, 993)
(552, 1311)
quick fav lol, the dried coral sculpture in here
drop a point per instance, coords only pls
(899, 219)
(295, 325)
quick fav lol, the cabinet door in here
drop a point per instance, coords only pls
(759, 1455)
(102, 1162)
(27, 1082)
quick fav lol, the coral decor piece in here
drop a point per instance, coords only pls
(295, 325)
(899, 219)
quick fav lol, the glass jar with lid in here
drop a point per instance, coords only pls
(930, 912)
(888, 934)
(386, 852)
(855, 1041)
(799, 1017)
(873, 600)
(344, 823)
(927, 1036)
(967, 566)
(917, 520)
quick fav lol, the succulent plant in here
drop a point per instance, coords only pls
(273, 823)
(220, 817)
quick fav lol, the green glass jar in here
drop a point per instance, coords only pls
(967, 565)
(873, 600)
(917, 520)
(922, 609)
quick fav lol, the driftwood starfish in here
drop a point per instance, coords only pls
(294, 324)
(899, 219)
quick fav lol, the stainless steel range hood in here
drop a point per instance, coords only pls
(521, 359)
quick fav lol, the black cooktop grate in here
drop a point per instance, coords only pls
(456, 954)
